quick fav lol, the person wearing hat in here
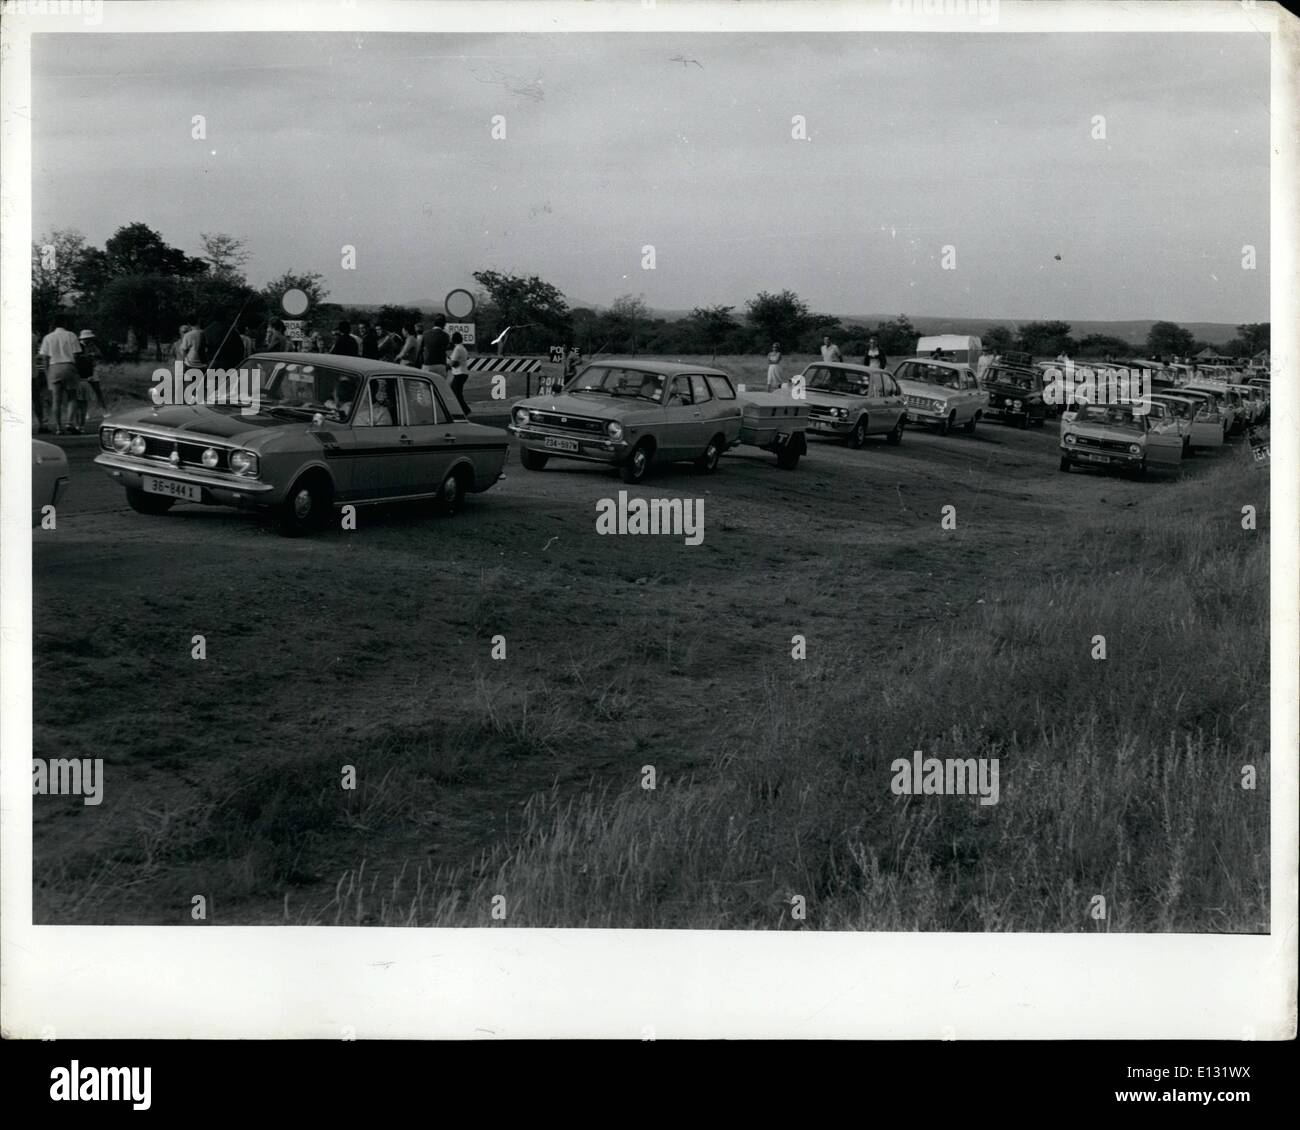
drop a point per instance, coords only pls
(86, 371)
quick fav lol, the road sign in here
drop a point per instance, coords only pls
(465, 329)
(293, 330)
(458, 303)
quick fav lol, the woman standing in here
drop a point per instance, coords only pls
(774, 367)
(459, 359)
(875, 356)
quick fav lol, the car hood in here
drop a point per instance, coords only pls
(598, 407)
(200, 421)
(920, 388)
(1099, 431)
(1016, 392)
(831, 399)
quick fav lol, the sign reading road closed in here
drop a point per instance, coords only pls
(465, 329)
(293, 329)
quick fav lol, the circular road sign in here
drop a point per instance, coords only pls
(294, 302)
(459, 305)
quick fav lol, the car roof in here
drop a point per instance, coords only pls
(944, 364)
(847, 366)
(362, 366)
(663, 368)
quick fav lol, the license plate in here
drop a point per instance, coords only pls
(555, 443)
(172, 489)
(1094, 458)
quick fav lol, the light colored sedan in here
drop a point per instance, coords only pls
(941, 394)
(851, 402)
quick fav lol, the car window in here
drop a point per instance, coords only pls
(891, 388)
(700, 389)
(722, 388)
(421, 405)
(378, 404)
(680, 391)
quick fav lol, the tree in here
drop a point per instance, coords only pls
(225, 255)
(395, 317)
(148, 304)
(136, 249)
(537, 308)
(309, 282)
(897, 337)
(58, 261)
(1168, 338)
(1047, 339)
(1102, 345)
(998, 339)
(627, 318)
(713, 324)
(1254, 337)
(778, 318)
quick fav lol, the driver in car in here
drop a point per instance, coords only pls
(341, 401)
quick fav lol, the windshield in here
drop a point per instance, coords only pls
(608, 381)
(932, 375)
(307, 388)
(1109, 415)
(1017, 377)
(841, 382)
(1178, 408)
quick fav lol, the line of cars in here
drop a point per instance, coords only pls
(332, 431)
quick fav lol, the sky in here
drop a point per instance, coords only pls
(914, 143)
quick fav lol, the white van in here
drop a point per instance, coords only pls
(953, 347)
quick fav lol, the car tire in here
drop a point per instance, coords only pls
(143, 503)
(532, 460)
(895, 437)
(305, 507)
(969, 425)
(787, 458)
(451, 495)
(1065, 463)
(708, 462)
(948, 424)
(858, 436)
(635, 467)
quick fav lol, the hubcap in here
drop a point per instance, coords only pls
(302, 503)
(449, 490)
(638, 462)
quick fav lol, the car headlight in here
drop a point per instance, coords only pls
(1135, 449)
(842, 413)
(614, 429)
(210, 458)
(137, 445)
(1016, 405)
(521, 416)
(243, 462)
(106, 438)
(1069, 437)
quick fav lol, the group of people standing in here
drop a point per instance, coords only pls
(63, 378)
(433, 350)
(873, 358)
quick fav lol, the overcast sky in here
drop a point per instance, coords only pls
(981, 142)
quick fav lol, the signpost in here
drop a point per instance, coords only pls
(293, 329)
(465, 329)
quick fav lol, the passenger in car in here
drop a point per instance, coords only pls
(375, 414)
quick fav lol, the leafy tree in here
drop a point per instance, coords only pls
(148, 304)
(136, 249)
(58, 261)
(309, 282)
(395, 317)
(1099, 345)
(998, 338)
(225, 255)
(713, 325)
(897, 337)
(1047, 339)
(1166, 338)
(537, 308)
(628, 319)
(778, 318)
(1253, 336)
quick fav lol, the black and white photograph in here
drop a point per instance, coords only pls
(637, 474)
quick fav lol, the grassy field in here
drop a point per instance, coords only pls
(1113, 785)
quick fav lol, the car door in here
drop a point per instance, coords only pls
(972, 395)
(727, 406)
(375, 445)
(719, 417)
(432, 433)
(1164, 440)
(682, 434)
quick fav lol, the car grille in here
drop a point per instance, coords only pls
(566, 423)
(920, 402)
(191, 453)
(817, 411)
(1102, 444)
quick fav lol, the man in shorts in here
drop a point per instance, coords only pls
(60, 347)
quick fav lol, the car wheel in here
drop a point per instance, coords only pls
(305, 507)
(143, 503)
(1065, 463)
(451, 494)
(532, 460)
(895, 437)
(858, 436)
(636, 465)
(787, 458)
(969, 425)
(708, 462)
(947, 425)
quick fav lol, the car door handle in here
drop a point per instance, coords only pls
(699, 415)
(447, 437)
(405, 441)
